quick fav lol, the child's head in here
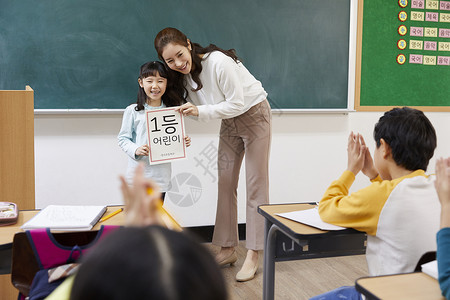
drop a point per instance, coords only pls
(149, 263)
(153, 68)
(410, 136)
(154, 76)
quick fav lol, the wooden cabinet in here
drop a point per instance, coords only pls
(17, 147)
(16, 159)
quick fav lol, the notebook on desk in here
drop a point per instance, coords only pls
(431, 268)
(66, 217)
(309, 217)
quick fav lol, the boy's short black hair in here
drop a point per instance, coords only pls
(410, 135)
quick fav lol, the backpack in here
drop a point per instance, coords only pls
(52, 260)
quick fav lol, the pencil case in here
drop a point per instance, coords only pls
(8, 213)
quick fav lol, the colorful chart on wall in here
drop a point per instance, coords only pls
(403, 54)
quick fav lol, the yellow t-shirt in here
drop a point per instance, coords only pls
(400, 216)
(62, 292)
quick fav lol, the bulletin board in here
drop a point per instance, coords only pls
(403, 55)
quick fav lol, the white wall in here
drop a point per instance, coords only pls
(78, 161)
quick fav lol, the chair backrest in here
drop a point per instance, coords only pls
(427, 257)
(24, 262)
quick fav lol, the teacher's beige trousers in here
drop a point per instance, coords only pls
(249, 134)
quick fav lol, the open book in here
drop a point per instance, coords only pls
(66, 217)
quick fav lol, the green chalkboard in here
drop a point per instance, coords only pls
(86, 54)
(384, 81)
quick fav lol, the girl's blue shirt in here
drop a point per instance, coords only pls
(132, 135)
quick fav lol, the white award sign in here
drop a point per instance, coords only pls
(165, 129)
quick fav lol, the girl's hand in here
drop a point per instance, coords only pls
(188, 109)
(141, 207)
(143, 150)
(442, 185)
(187, 141)
(356, 153)
(442, 182)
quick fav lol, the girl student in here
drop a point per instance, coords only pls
(218, 86)
(155, 91)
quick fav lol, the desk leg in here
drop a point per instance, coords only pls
(7, 290)
(269, 261)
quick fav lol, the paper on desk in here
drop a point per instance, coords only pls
(431, 268)
(309, 217)
(66, 217)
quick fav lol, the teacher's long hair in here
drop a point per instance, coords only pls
(172, 35)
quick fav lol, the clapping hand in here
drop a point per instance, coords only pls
(359, 157)
(356, 153)
(442, 182)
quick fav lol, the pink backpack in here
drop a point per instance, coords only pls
(49, 254)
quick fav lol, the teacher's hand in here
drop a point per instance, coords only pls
(188, 109)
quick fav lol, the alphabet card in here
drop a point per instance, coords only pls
(165, 129)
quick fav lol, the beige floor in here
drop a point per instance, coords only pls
(300, 279)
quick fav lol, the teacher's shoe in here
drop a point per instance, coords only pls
(231, 259)
(248, 270)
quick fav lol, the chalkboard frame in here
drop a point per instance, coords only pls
(324, 107)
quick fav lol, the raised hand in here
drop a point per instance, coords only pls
(141, 207)
(368, 168)
(442, 182)
(356, 153)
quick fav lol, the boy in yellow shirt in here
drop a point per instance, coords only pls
(400, 210)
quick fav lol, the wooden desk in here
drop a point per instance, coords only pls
(409, 286)
(7, 291)
(299, 241)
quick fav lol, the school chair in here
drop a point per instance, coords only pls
(426, 257)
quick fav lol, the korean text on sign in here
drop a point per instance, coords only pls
(165, 129)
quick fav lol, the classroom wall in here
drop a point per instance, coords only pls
(78, 161)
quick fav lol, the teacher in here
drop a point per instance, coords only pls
(218, 86)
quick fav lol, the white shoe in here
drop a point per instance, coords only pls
(248, 273)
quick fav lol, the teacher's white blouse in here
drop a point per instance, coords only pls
(229, 89)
